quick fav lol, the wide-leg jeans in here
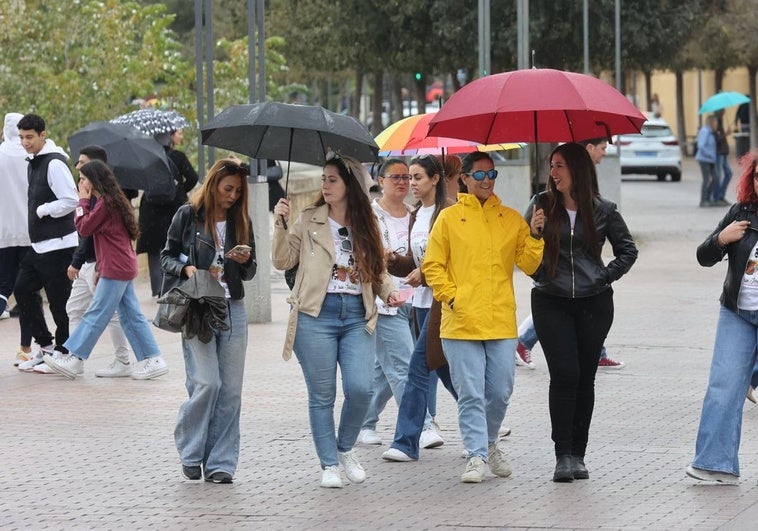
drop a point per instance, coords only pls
(208, 424)
(734, 356)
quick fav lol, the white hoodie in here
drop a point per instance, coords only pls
(14, 229)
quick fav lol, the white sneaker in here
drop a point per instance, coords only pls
(44, 368)
(66, 364)
(22, 356)
(117, 369)
(5, 315)
(353, 469)
(367, 436)
(497, 462)
(36, 359)
(150, 368)
(474, 471)
(504, 431)
(330, 478)
(430, 438)
(393, 454)
(722, 478)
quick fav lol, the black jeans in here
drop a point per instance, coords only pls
(10, 261)
(48, 271)
(572, 333)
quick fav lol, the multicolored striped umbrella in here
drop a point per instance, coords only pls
(408, 137)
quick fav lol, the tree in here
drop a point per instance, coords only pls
(74, 67)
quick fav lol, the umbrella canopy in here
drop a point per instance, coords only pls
(722, 100)
(536, 105)
(137, 160)
(153, 121)
(409, 137)
(282, 131)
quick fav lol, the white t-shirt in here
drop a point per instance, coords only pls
(217, 267)
(345, 277)
(394, 233)
(748, 298)
(422, 297)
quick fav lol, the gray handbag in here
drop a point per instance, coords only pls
(170, 315)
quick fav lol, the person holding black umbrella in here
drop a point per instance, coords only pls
(337, 244)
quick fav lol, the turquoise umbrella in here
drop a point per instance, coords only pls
(722, 100)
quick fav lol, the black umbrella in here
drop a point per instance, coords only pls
(282, 131)
(137, 160)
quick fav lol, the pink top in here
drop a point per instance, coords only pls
(115, 255)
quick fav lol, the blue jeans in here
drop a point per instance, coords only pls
(337, 336)
(734, 356)
(111, 295)
(412, 414)
(207, 428)
(724, 175)
(394, 344)
(483, 374)
(710, 181)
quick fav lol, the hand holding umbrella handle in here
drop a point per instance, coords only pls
(282, 209)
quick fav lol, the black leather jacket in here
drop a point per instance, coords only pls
(187, 227)
(580, 273)
(709, 253)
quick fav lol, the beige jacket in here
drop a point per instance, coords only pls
(309, 243)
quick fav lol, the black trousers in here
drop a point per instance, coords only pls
(48, 271)
(572, 333)
(10, 261)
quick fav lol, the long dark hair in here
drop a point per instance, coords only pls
(584, 190)
(206, 197)
(433, 166)
(364, 229)
(104, 182)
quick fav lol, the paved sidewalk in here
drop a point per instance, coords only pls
(99, 454)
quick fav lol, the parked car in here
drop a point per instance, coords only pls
(655, 151)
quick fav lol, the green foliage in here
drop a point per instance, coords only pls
(84, 60)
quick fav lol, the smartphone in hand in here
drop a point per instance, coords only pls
(239, 249)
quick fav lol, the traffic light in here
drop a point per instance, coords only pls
(418, 76)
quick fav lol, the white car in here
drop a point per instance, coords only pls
(655, 151)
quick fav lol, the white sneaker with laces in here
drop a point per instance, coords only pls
(430, 438)
(66, 364)
(44, 368)
(367, 436)
(330, 478)
(22, 356)
(116, 369)
(150, 368)
(353, 469)
(5, 315)
(36, 359)
(474, 471)
(722, 478)
(497, 462)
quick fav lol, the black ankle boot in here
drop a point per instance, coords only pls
(563, 472)
(578, 468)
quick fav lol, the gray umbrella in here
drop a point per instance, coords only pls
(153, 121)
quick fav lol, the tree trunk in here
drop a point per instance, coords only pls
(357, 96)
(752, 70)
(376, 108)
(421, 94)
(648, 88)
(681, 127)
(718, 81)
(396, 103)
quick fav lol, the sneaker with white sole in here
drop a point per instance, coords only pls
(66, 364)
(353, 469)
(150, 368)
(474, 471)
(44, 368)
(393, 454)
(504, 431)
(368, 436)
(430, 438)
(524, 356)
(5, 315)
(610, 364)
(116, 369)
(723, 478)
(36, 359)
(22, 356)
(331, 478)
(497, 462)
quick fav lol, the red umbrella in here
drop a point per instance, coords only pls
(536, 105)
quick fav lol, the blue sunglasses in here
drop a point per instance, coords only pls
(479, 175)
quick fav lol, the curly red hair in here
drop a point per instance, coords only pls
(745, 187)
